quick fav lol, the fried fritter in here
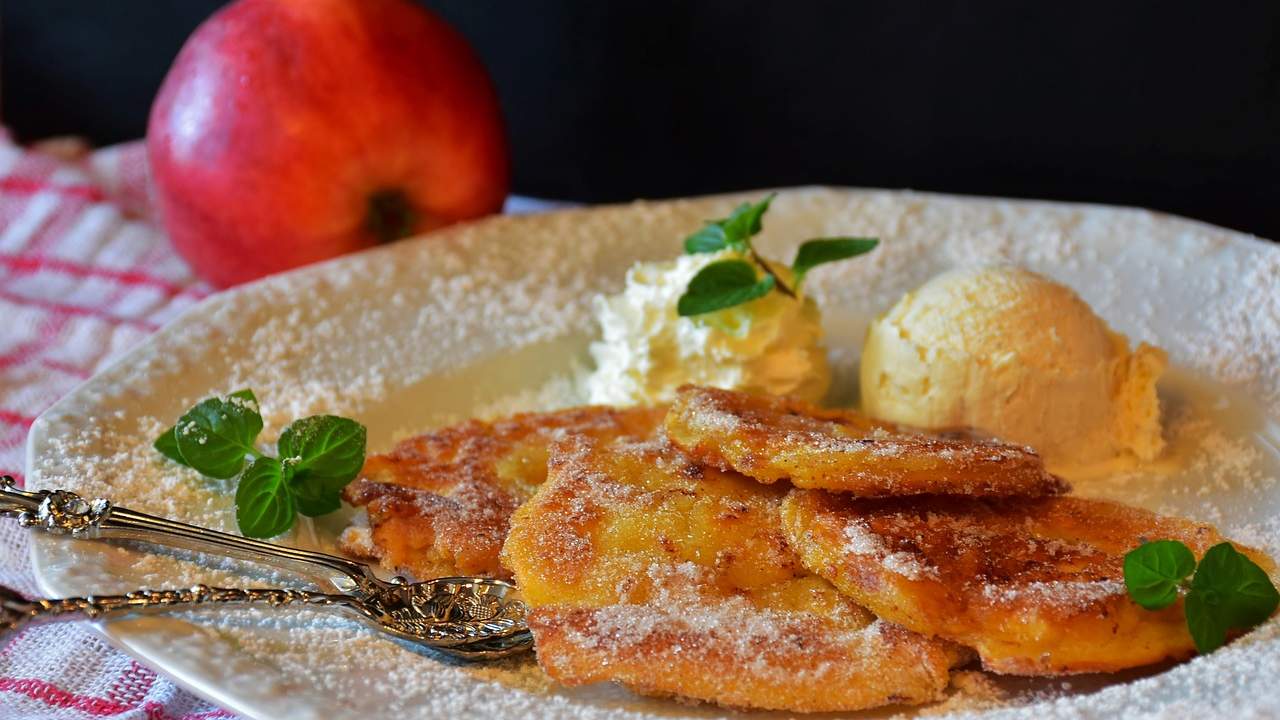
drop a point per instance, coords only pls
(440, 503)
(778, 438)
(1036, 586)
(643, 567)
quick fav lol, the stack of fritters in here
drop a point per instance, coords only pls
(761, 552)
(644, 567)
(968, 541)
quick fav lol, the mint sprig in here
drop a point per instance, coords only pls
(1227, 591)
(318, 456)
(732, 282)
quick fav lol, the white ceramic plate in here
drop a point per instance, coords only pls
(496, 316)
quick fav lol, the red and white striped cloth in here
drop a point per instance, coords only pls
(84, 275)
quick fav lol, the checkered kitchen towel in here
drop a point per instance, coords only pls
(84, 275)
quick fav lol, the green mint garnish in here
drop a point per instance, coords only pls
(264, 504)
(824, 250)
(746, 221)
(709, 239)
(1227, 592)
(721, 285)
(324, 453)
(217, 435)
(1154, 572)
(318, 456)
(724, 288)
(733, 232)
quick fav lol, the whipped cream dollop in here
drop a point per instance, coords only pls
(771, 345)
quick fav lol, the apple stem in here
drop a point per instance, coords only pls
(391, 216)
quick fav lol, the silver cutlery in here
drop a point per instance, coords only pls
(17, 611)
(468, 617)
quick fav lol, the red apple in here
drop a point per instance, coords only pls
(290, 131)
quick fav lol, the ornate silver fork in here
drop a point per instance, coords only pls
(16, 611)
(470, 617)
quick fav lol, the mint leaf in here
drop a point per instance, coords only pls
(707, 240)
(264, 506)
(1204, 621)
(1248, 594)
(720, 285)
(1153, 572)
(1230, 592)
(167, 445)
(745, 221)
(324, 453)
(324, 446)
(824, 250)
(1255, 598)
(216, 435)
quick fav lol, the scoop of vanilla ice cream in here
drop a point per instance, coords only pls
(1015, 354)
(646, 351)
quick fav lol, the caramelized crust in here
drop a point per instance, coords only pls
(643, 567)
(440, 503)
(1035, 586)
(777, 438)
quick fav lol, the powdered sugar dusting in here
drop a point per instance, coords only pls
(860, 541)
(1242, 341)
(736, 626)
(1070, 593)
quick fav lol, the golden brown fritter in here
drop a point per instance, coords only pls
(643, 567)
(1036, 586)
(440, 503)
(777, 438)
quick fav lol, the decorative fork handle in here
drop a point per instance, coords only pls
(16, 611)
(64, 513)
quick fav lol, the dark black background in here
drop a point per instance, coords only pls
(1174, 106)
